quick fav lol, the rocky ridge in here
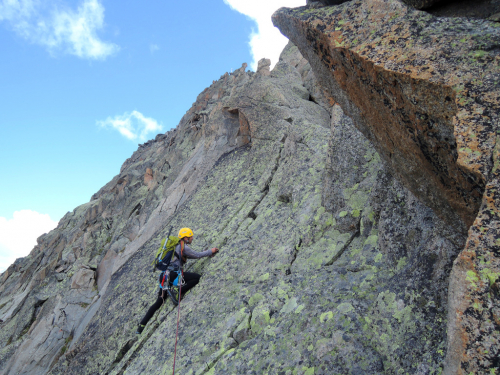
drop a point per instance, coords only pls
(332, 259)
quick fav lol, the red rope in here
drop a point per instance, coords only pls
(178, 316)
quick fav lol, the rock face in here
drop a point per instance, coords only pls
(58, 288)
(327, 265)
(356, 219)
(487, 9)
(425, 90)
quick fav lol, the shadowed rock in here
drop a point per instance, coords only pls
(425, 91)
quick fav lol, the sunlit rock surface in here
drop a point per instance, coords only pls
(356, 219)
(327, 263)
(425, 91)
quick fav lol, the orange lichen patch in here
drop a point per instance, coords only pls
(148, 176)
(400, 123)
(346, 44)
(426, 92)
(331, 101)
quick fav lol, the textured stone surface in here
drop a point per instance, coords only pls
(102, 234)
(324, 2)
(263, 67)
(422, 4)
(398, 84)
(487, 9)
(327, 263)
(425, 90)
(447, 8)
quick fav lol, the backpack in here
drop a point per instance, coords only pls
(166, 253)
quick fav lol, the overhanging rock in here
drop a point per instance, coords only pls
(425, 91)
(421, 88)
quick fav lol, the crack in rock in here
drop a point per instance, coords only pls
(128, 353)
(294, 256)
(267, 184)
(342, 250)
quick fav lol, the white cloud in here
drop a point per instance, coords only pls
(59, 28)
(134, 126)
(154, 47)
(267, 41)
(18, 235)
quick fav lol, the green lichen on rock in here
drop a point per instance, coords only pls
(327, 264)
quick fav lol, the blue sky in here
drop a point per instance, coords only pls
(85, 81)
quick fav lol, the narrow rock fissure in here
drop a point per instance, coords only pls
(213, 363)
(230, 220)
(136, 208)
(123, 351)
(266, 189)
(294, 257)
(129, 345)
(311, 99)
(57, 356)
(180, 200)
(252, 213)
(343, 249)
(305, 144)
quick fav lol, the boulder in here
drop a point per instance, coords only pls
(263, 67)
(83, 279)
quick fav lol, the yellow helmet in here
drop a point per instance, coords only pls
(185, 232)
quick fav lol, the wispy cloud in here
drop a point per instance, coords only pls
(59, 28)
(154, 47)
(18, 235)
(266, 41)
(134, 126)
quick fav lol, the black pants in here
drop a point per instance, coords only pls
(190, 280)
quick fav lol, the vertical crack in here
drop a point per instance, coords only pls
(294, 256)
(180, 200)
(132, 355)
(220, 353)
(267, 184)
(342, 250)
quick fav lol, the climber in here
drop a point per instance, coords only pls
(182, 252)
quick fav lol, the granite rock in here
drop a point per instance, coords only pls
(425, 91)
(338, 253)
(314, 275)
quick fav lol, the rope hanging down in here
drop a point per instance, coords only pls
(178, 316)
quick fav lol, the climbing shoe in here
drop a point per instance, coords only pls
(140, 328)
